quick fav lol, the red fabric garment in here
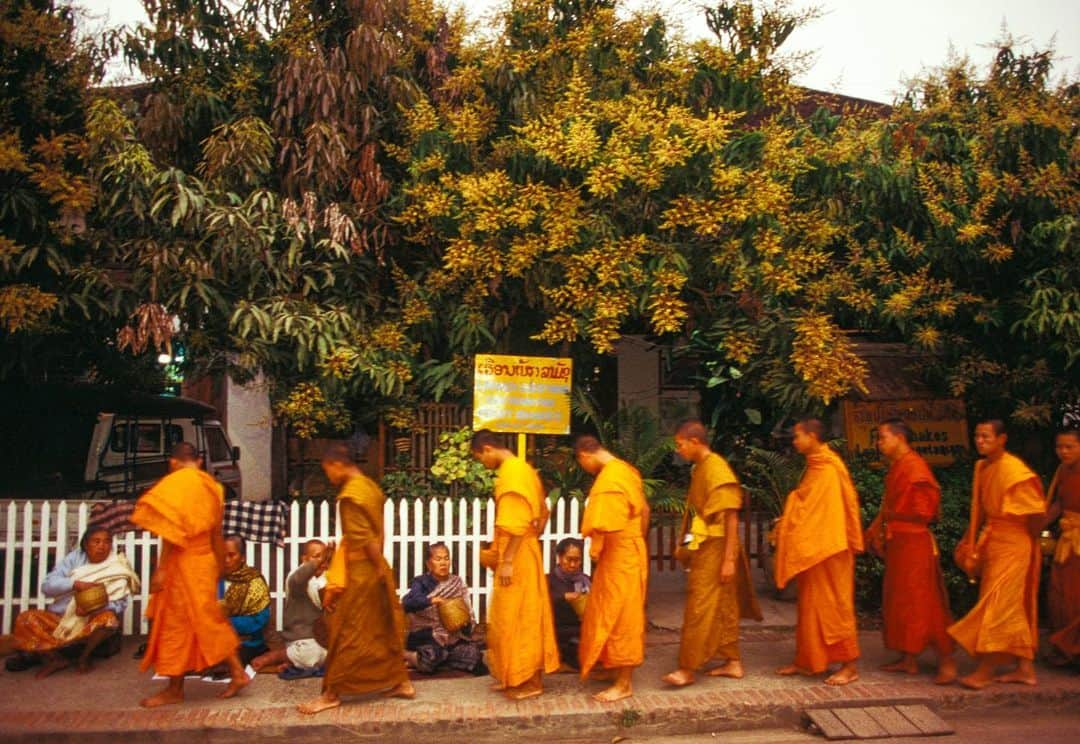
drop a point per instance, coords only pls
(915, 605)
(1064, 591)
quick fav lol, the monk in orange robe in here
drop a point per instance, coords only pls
(364, 621)
(521, 630)
(189, 630)
(915, 605)
(1064, 595)
(1008, 506)
(616, 521)
(817, 539)
(719, 591)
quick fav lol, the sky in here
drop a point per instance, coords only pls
(862, 48)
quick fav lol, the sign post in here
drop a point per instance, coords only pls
(525, 395)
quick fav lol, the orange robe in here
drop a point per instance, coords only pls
(189, 630)
(613, 629)
(712, 611)
(915, 605)
(367, 627)
(1005, 619)
(1064, 594)
(521, 631)
(817, 539)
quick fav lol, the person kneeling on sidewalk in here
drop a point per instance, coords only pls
(296, 643)
(431, 646)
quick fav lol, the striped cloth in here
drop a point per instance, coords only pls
(257, 521)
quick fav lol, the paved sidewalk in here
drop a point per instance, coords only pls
(104, 705)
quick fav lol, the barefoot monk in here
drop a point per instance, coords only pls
(818, 537)
(915, 606)
(616, 521)
(365, 623)
(521, 630)
(1063, 597)
(718, 591)
(188, 630)
(1007, 511)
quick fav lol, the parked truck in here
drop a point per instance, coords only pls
(94, 442)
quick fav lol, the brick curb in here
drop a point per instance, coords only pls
(696, 710)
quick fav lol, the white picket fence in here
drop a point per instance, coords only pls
(36, 535)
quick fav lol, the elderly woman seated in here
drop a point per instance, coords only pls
(430, 645)
(66, 626)
(245, 597)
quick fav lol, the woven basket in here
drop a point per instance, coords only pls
(92, 598)
(579, 604)
(454, 614)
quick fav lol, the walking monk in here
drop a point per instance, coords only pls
(188, 631)
(817, 539)
(1007, 505)
(718, 592)
(1064, 594)
(915, 606)
(616, 520)
(521, 631)
(364, 621)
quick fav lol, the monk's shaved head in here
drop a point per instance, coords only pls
(693, 429)
(997, 425)
(184, 452)
(899, 428)
(813, 426)
(485, 438)
(587, 443)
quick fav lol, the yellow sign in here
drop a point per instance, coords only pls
(939, 426)
(522, 394)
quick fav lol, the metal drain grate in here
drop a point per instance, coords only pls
(876, 722)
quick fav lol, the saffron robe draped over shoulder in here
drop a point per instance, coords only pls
(712, 611)
(915, 605)
(366, 630)
(613, 629)
(817, 539)
(1005, 619)
(521, 631)
(1064, 594)
(189, 630)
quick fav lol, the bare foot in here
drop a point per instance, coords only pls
(326, 701)
(613, 693)
(524, 692)
(403, 690)
(497, 686)
(165, 697)
(906, 664)
(565, 668)
(53, 666)
(976, 680)
(946, 672)
(1018, 676)
(678, 678)
(235, 685)
(792, 669)
(845, 675)
(731, 668)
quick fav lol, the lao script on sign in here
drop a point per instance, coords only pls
(522, 394)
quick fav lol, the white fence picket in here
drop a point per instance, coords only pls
(36, 535)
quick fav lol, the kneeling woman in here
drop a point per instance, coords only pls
(64, 625)
(431, 646)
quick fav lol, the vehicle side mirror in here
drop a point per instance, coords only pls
(236, 454)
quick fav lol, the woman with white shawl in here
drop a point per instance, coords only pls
(63, 625)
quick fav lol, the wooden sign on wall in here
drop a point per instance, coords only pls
(940, 426)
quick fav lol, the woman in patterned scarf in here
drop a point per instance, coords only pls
(245, 598)
(430, 647)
